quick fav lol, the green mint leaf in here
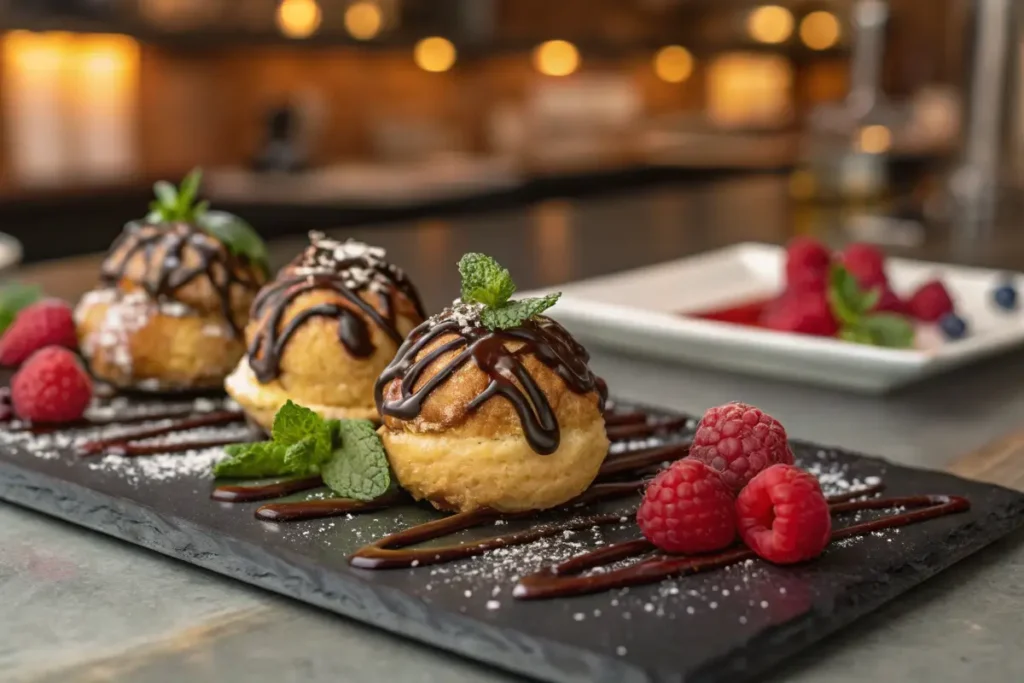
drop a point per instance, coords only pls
(844, 295)
(515, 313)
(188, 190)
(358, 468)
(166, 195)
(13, 298)
(869, 299)
(201, 209)
(302, 456)
(238, 236)
(857, 335)
(484, 281)
(294, 423)
(890, 330)
(262, 459)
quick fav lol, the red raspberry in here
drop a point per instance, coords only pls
(930, 302)
(45, 323)
(783, 515)
(739, 441)
(804, 312)
(51, 387)
(867, 264)
(688, 509)
(807, 264)
(890, 302)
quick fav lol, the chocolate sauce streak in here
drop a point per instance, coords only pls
(393, 551)
(499, 355)
(15, 425)
(122, 443)
(163, 252)
(319, 268)
(241, 493)
(329, 507)
(565, 579)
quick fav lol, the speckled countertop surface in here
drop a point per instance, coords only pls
(78, 606)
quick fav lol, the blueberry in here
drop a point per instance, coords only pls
(953, 326)
(1006, 296)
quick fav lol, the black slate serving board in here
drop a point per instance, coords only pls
(727, 625)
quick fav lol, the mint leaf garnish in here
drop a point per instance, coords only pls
(13, 298)
(173, 205)
(484, 281)
(263, 459)
(889, 329)
(237, 235)
(301, 442)
(852, 307)
(301, 456)
(515, 313)
(358, 468)
(294, 423)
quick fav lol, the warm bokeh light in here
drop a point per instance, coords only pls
(876, 139)
(770, 24)
(363, 20)
(298, 18)
(673, 63)
(749, 89)
(820, 30)
(556, 58)
(434, 54)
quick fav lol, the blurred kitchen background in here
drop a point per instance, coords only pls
(904, 114)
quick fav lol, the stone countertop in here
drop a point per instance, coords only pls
(82, 607)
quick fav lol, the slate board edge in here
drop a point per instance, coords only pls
(380, 607)
(793, 637)
(394, 611)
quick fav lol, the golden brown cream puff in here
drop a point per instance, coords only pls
(509, 419)
(173, 301)
(323, 330)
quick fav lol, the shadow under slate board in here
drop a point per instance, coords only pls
(730, 624)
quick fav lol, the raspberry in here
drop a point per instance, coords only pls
(739, 441)
(805, 312)
(51, 387)
(866, 263)
(688, 509)
(783, 515)
(46, 323)
(807, 264)
(930, 302)
(890, 302)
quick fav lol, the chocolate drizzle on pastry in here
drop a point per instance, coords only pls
(498, 354)
(348, 269)
(167, 252)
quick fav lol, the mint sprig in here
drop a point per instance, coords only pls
(14, 297)
(852, 307)
(179, 205)
(485, 282)
(348, 454)
(358, 468)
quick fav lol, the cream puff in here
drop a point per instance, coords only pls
(172, 303)
(322, 332)
(508, 419)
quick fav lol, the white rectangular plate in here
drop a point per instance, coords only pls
(638, 311)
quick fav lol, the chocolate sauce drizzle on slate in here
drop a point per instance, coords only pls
(122, 444)
(162, 277)
(542, 337)
(318, 269)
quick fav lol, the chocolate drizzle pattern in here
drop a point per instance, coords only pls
(620, 477)
(166, 249)
(347, 269)
(499, 355)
